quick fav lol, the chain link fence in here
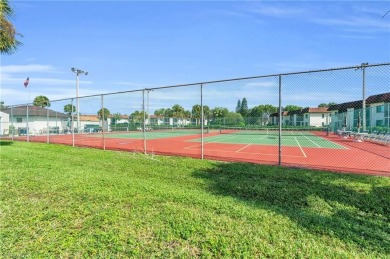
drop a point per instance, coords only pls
(333, 119)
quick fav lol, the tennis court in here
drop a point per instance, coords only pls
(302, 148)
(289, 137)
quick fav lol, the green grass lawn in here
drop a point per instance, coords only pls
(58, 201)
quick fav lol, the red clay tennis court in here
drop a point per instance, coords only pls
(317, 151)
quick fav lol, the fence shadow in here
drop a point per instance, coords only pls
(5, 142)
(320, 202)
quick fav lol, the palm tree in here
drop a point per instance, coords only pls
(103, 114)
(116, 117)
(69, 109)
(159, 112)
(2, 105)
(197, 112)
(41, 101)
(8, 41)
(178, 111)
(138, 116)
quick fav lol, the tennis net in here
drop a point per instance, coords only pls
(275, 131)
(184, 130)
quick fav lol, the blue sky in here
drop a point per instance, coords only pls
(128, 45)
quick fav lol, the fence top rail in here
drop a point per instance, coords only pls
(365, 65)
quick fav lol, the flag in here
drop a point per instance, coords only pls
(26, 82)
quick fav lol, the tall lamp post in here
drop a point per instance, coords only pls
(148, 91)
(78, 72)
(363, 68)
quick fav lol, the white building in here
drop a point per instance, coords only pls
(307, 117)
(4, 123)
(36, 119)
(350, 114)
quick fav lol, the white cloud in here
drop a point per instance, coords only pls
(26, 68)
(277, 11)
(357, 24)
(262, 84)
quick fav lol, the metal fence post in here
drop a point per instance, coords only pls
(12, 123)
(280, 122)
(103, 120)
(144, 118)
(72, 121)
(202, 121)
(47, 126)
(27, 128)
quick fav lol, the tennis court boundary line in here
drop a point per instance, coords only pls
(300, 147)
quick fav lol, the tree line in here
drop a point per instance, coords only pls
(257, 115)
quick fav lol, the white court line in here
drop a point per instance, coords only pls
(333, 142)
(243, 148)
(208, 142)
(237, 151)
(303, 152)
(312, 141)
(89, 139)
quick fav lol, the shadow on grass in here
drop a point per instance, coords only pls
(352, 208)
(6, 143)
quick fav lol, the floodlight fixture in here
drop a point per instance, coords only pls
(78, 72)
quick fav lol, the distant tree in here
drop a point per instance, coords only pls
(8, 34)
(116, 117)
(159, 112)
(197, 112)
(326, 105)
(234, 119)
(138, 116)
(219, 112)
(41, 101)
(103, 114)
(187, 114)
(69, 109)
(168, 112)
(292, 107)
(262, 113)
(238, 107)
(177, 111)
(2, 105)
(244, 107)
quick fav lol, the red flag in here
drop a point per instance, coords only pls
(26, 82)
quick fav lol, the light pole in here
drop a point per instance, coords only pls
(78, 72)
(148, 91)
(363, 68)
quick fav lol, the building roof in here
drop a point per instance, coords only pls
(94, 118)
(342, 107)
(33, 111)
(379, 98)
(316, 110)
(302, 111)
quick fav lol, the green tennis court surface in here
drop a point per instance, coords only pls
(294, 138)
(298, 141)
(290, 137)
